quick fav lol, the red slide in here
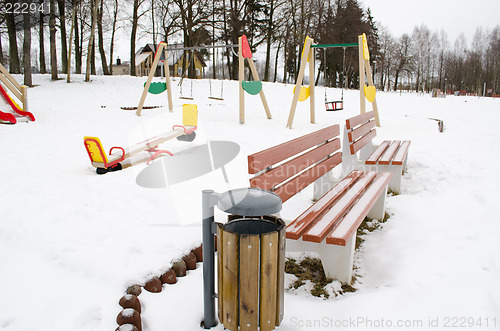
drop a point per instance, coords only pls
(8, 117)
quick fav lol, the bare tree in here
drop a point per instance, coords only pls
(14, 63)
(62, 27)
(27, 47)
(102, 52)
(90, 49)
(41, 28)
(133, 35)
(402, 57)
(114, 28)
(52, 37)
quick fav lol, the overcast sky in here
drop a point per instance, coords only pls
(453, 16)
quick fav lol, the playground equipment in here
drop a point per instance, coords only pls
(190, 62)
(253, 87)
(112, 162)
(18, 114)
(212, 96)
(251, 260)
(298, 86)
(367, 92)
(336, 104)
(159, 87)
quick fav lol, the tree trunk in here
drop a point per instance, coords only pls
(43, 68)
(52, 35)
(90, 49)
(112, 43)
(72, 31)
(101, 40)
(1, 50)
(78, 44)
(64, 45)
(27, 47)
(14, 63)
(132, 37)
(269, 41)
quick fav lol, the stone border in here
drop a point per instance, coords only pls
(129, 319)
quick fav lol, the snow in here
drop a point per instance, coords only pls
(71, 241)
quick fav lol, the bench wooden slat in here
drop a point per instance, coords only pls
(272, 178)
(302, 223)
(263, 159)
(356, 146)
(326, 223)
(373, 159)
(401, 153)
(360, 119)
(289, 189)
(389, 153)
(345, 229)
(361, 131)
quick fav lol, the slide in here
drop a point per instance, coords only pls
(11, 117)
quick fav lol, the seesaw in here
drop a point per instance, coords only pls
(112, 162)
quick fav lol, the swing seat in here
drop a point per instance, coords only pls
(252, 87)
(334, 105)
(304, 93)
(157, 87)
(370, 92)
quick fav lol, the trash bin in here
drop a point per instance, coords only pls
(251, 268)
(251, 260)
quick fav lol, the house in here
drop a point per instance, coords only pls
(121, 68)
(181, 60)
(144, 58)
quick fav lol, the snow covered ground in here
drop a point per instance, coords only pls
(72, 241)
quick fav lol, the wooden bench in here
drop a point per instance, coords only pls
(328, 226)
(388, 156)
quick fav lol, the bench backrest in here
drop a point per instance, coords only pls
(360, 130)
(288, 168)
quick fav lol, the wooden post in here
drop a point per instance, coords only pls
(255, 75)
(24, 100)
(370, 83)
(300, 79)
(166, 67)
(241, 73)
(312, 101)
(362, 103)
(150, 78)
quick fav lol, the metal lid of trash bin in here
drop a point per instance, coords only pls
(249, 202)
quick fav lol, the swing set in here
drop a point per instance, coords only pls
(302, 93)
(252, 87)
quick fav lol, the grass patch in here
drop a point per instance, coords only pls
(311, 269)
(369, 225)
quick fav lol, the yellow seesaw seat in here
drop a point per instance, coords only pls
(100, 160)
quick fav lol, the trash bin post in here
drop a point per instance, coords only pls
(209, 201)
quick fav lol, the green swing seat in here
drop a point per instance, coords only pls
(157, 87)
(252, 87)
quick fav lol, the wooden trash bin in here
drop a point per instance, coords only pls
(251, 271)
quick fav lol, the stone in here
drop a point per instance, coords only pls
(127, 327)
(179, 268)
(190, 260)
(153, 285)
(168, 277)
(134, 290)
(130, 301)
(129, 316)
(198, 252)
